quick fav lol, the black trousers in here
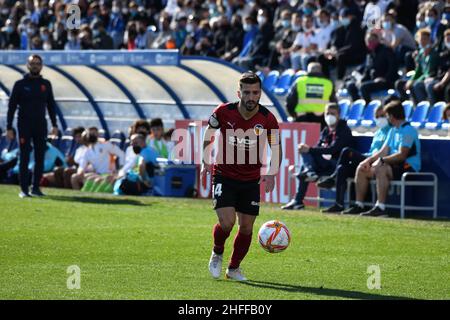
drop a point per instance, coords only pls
(35, 133)
(348, 161)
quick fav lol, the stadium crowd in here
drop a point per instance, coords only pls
(391, 35)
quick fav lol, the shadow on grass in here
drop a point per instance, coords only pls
(98, 200)
(322, 291)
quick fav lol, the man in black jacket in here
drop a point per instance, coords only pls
(380, 71)
(321, 159)
(346, 47)
(32, 94)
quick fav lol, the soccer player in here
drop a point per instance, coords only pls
(33, 94)
(245, 129)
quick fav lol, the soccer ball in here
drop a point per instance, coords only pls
(274, 236)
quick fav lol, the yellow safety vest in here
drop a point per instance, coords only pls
(313, 94)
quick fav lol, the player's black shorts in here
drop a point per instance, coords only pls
(399, 169)
(244, 196)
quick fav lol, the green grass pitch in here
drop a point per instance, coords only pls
(158, 248)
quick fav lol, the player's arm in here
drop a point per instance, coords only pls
(12, 107)
(213, 125)
(206, 158)
(51, 107)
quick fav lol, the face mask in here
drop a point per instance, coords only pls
(125, 11)
(296, 28)
(307, 11)
(421, 24)
(345, 21)
(285, 23)
(70, 38)
(47, 46)
(446, 16)
(189, 28)
(330, 119)
(9, 29)
(262, 20)
(189, 44)
(115, 10)
(381, 122)
(5, 12)
(387, 25)
(307, 29)
(95, 33)
(31, 30)
(247, 27)
(335, 24)
(447, 45)
(430, 21)
(137, 149)
(322, 24)
(44, 37)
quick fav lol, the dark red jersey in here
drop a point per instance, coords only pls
(242, 143)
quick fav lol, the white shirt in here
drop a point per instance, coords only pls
(99, 156)
(323, 37)
(130, 161)
(374, 12)
(304, 39)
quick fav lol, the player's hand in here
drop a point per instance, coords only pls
(10, 134)
(269, 182)
(206, 169)
(303, 148)
(377, 163)
(54, 131)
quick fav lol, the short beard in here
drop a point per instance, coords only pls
(34, 74)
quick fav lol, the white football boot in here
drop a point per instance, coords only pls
(215, 264)
(235, 274)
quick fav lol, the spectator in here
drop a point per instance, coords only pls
(258, 50)
(406, 13)
(400, 154)
(321, 159)
(251, 30)
(85, 37)
(349, 160)
(156, 139)
(188, 48)
(373, 11)
(309, 95)
(323, 34)
(347, 46)
(304, 47)
(164, 33)
(138, 179)
(180, 32)
(426, 66)
(101, 155)
(397, 37)
(116, 25)
(129, 39)
(101, 40)
(437, 28)
(221, 35)
(9, 37)
(380, 70)
(59, 36)
(446, 113)
(234, 39)
(73, 41)
(439, 88)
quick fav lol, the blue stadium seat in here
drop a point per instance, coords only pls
(368, 116)
(408, 107)
(355, 112)
(344, 104)
(118, 139)
(419, 114)
(271, 79)
(284, 82)
(434, 120)
(261, 75)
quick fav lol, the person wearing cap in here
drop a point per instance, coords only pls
(32, 94)
(309, 95)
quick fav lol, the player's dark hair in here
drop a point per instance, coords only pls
(140, 123)
(93, 128)
(77, 130)
(35, 56)
(395, 109)
(157, 122)
(249, 78)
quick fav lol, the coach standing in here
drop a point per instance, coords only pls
(32, 94)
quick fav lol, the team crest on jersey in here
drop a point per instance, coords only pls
(258, 129)
(43, 87)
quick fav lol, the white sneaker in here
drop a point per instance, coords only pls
(24, 195)
(215, 264)
(235, 274)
